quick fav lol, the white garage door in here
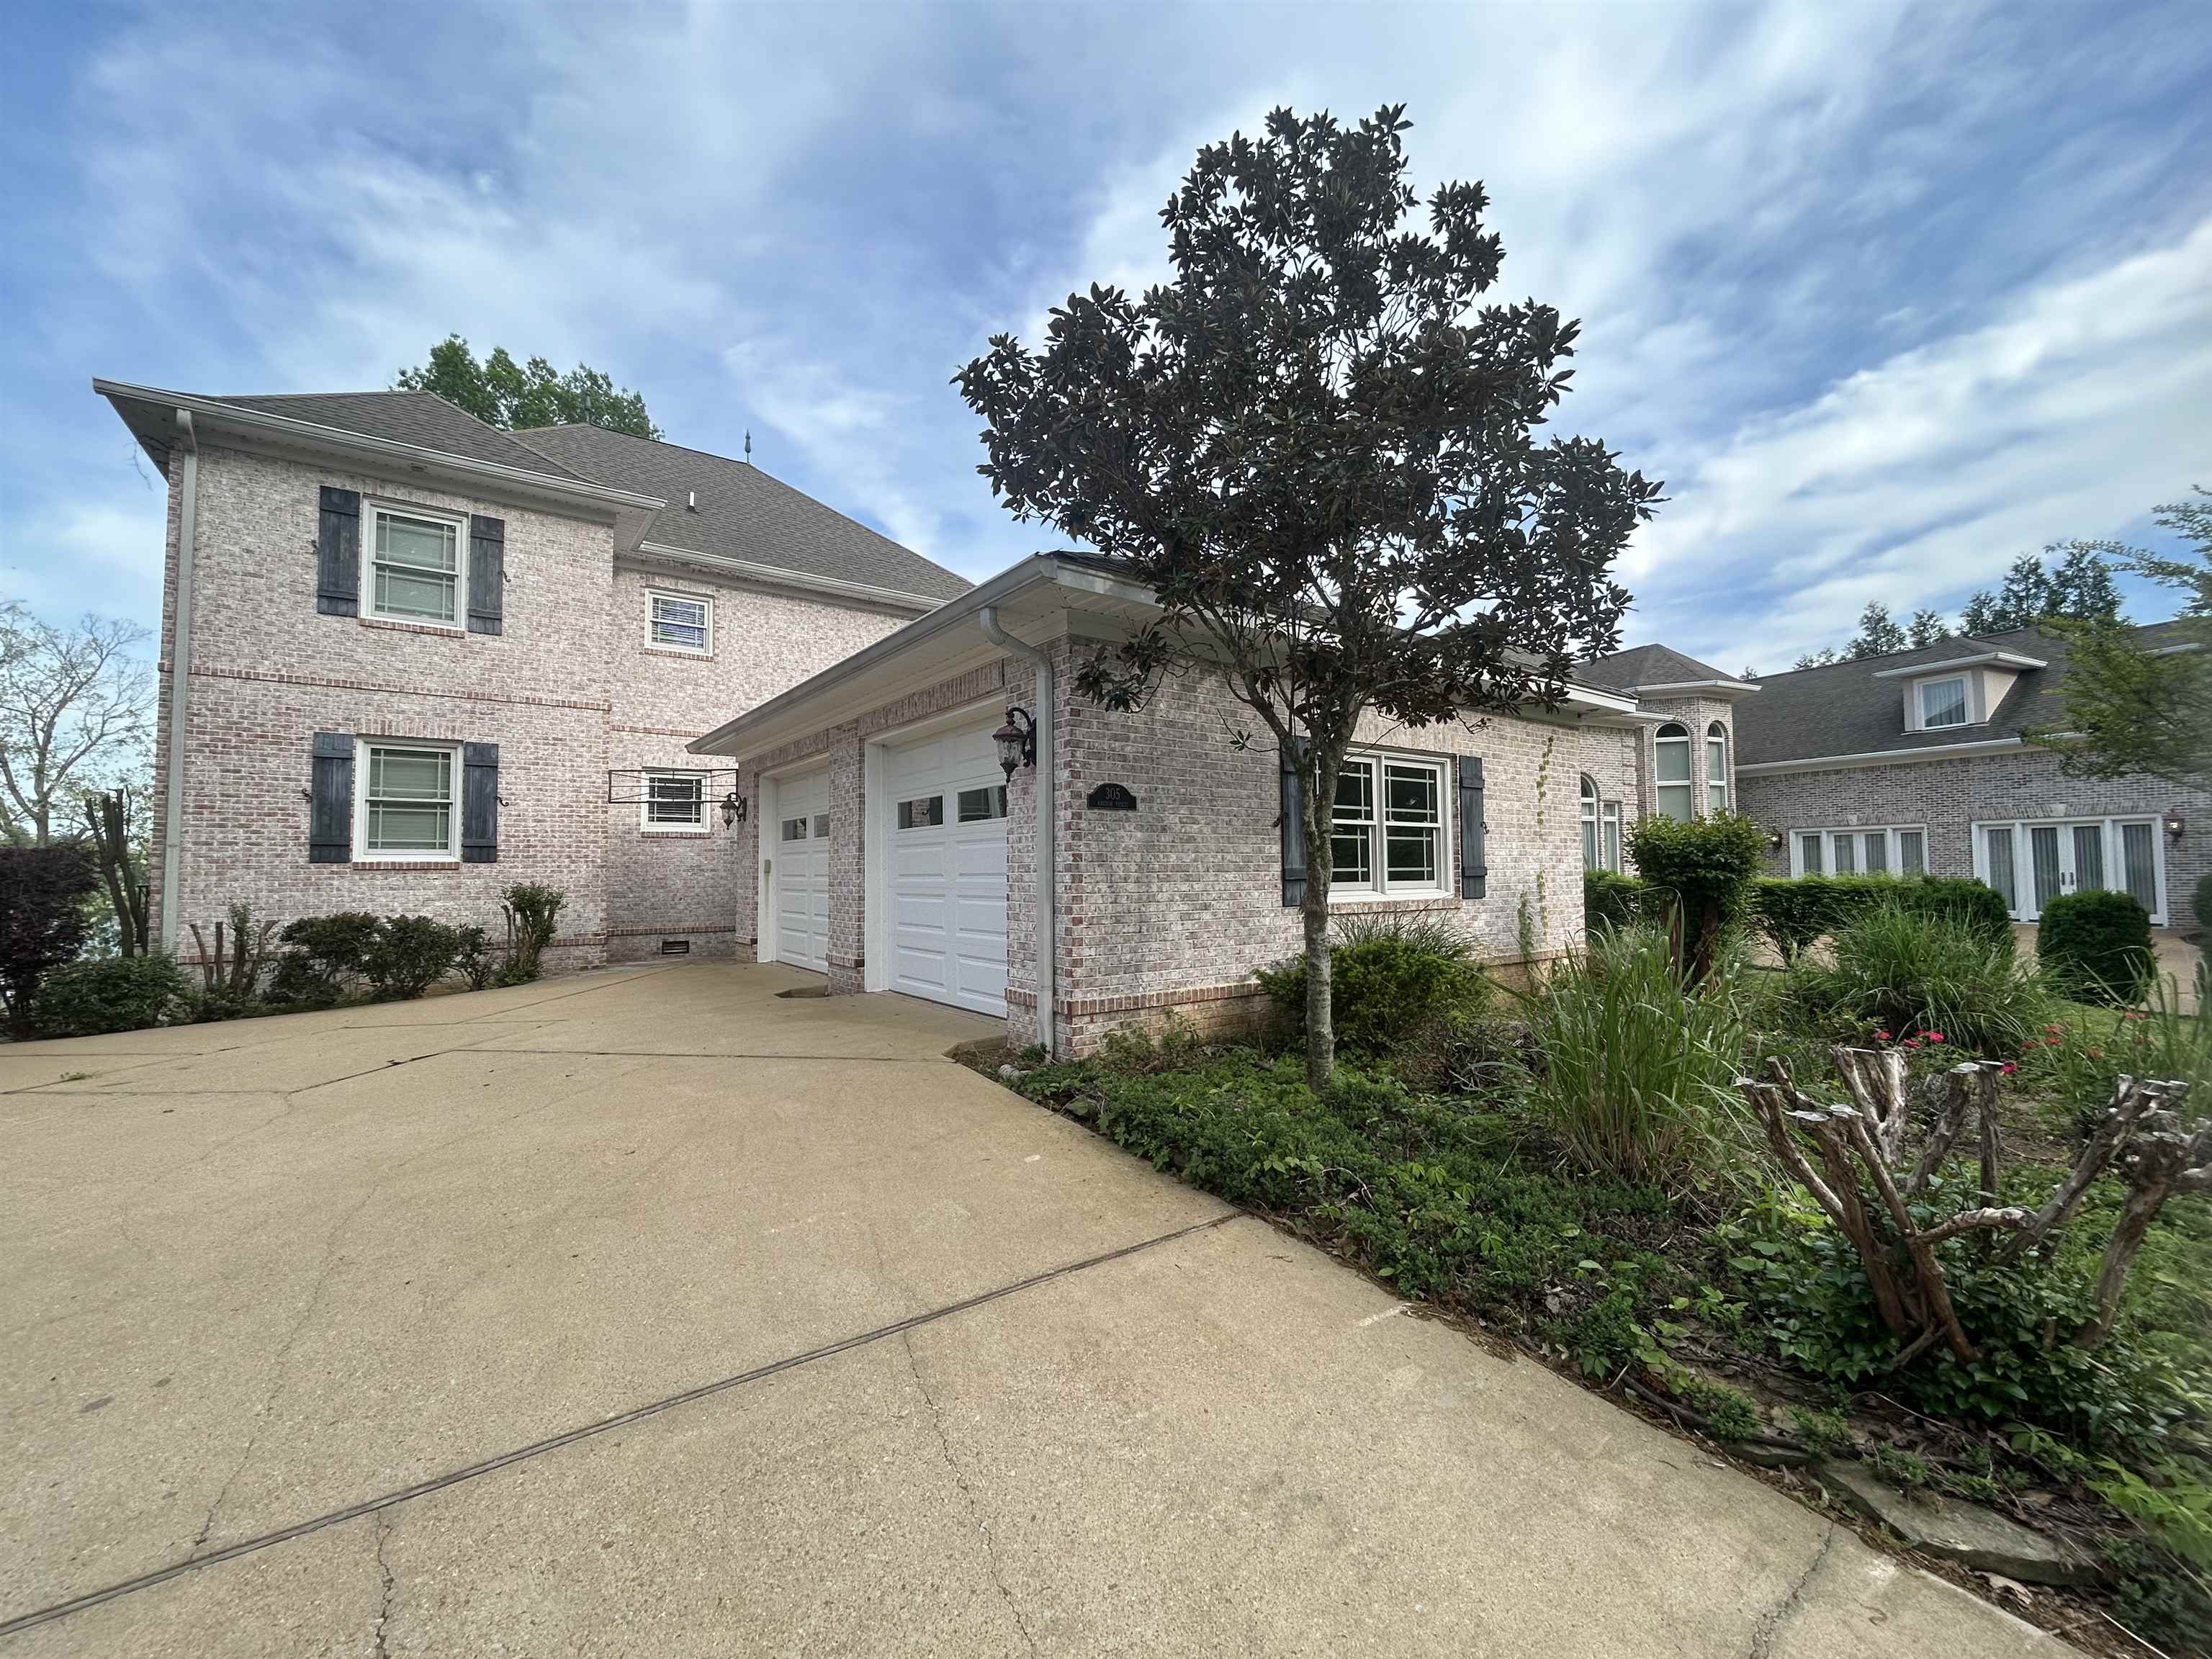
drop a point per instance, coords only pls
(946, 867)
(799, 871)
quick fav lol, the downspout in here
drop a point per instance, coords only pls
(1045, 951)
(181, 670)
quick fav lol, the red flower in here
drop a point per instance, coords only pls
(1881, 1036)
(1910, 1042)
(2050, 1042)
(1935, 1036)
(2132, 1014)
(2010, 1068)
(2053, 1030)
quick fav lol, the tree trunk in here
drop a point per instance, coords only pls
(1320, 810)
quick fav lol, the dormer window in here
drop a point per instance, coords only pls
(1943, 702)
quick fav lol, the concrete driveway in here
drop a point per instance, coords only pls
(649, 1313)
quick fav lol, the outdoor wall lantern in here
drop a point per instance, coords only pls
(1017, 741)
(733, 809)
(2173, 821)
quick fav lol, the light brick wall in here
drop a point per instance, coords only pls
(1950, 796)
(568, 689)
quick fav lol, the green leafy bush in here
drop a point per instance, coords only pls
(43, 921)
(1972, 905)
(1611, 899)
(323, 957)
(531, 913)
(2200, 904)
(110, 994)
(2096, 946)
(1709, 865)
(1393, 979)
(1635, 1066)
(1920, 975)
(409, 955)
(474, 959)
(1796, 911)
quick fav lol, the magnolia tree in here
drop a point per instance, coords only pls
(1322, 450)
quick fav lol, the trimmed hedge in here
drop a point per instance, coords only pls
(2096, 946)
(1796, 911)
(1615, 900)
(110, 993)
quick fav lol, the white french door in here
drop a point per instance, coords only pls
(2032, 863)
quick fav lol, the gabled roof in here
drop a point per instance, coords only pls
(1652, 667)
(408, 418)
(1858, 708)
(733, 511)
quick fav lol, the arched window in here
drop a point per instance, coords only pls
(1716, 770)
(1591, 850)
(1600, 829)
(1675, 796)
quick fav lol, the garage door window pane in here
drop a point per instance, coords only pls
(976, 805)
(925, 812)
(794, 829)
(821, 826)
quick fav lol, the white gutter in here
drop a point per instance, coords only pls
(256, 420)
(1979, 660)
(1693, 685)
(1881, 757)
(1046, 951)
(746, 570)
(180, 672)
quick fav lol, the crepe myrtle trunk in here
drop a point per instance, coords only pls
(1319, 807)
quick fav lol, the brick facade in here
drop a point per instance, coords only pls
(568, 689)
(1950, 796)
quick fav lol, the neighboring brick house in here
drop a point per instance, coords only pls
(423, 659)
(889, 847)
(1919, 761)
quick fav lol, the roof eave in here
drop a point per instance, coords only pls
(781, 576)
(1979, 660)
(1935, 751)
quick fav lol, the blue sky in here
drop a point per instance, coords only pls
(1886, 295)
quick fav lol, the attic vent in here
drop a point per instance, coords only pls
(691, 501)
(675, 947)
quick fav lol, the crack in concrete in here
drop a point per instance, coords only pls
(1777, 1619)
(384, 1524)
(968, 1493)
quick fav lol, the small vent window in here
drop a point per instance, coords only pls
(675, 947)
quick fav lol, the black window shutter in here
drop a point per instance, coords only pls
(479, 802)
(330, 798)
(487, 574)
(1473, 861)
(338, 554)
(1294, 826)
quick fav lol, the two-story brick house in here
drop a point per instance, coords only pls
(408, 660)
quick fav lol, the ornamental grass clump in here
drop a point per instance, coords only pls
(1912, 974)
(1634, 1067)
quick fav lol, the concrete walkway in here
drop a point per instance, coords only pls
(649, 1313)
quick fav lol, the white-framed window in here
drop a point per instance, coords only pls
(1716, 770)
(922, 812)
(1943, 702)
(417, 562)
(672, 801)
(2032, 863)
(1673, 794)
(1387, 833)
(680, 622)
(1600, 829)
(1884, 849)
(406, 800)
(981, 804)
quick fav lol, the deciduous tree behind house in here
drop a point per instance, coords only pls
(76, 711)
(500, 392)
(1322, 453)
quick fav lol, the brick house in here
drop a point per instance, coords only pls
(1131, 863)
(408, 660)
(1919, 761)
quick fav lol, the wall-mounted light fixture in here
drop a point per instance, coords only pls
(1017, 741)
(2173, 825)
(733, 809)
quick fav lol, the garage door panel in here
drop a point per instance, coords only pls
(947, 881)
(799, 871)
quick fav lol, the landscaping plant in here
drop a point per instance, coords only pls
(474, 960)
(1708, 864)
(531, 913)
(323, 956)
(2094, 947)
(1920, 975)
(233, 969)
(409, 955)
(110, 993)
(1399, 979)
(42, 920)
(1634, 1065)
(1611, 899)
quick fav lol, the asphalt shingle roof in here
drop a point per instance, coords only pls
(741, 513)
(1843, 709)
(408, 418)
(1647, 665)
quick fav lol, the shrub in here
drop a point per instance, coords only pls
(531, 912)
(1708, 864)
(409, 955)
(1911, 974)
(1611, 899)
(1795, 912)
(474, 960)
(2200, 904)
(1962, 900)
(112, 993)
(1393, 980)
(2096, 946)
(1634, 1065)
(323, 957)
(42, 920)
